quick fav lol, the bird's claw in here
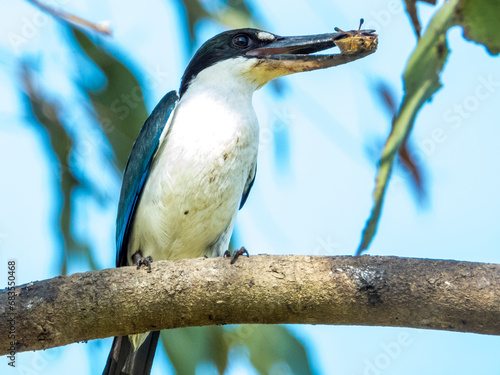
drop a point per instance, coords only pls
(138, 259)
(236, 254)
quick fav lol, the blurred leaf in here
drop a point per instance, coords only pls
(479, 19)
(119, 105)
(414, 170)
(188, 347)
(411, 9)
(194, 12)
(387, 96)
(232, 14)
(421, 79)
(270, 345)
(235, 14)
(47, 119)
(241, 7)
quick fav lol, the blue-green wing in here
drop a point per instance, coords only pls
(137, 171)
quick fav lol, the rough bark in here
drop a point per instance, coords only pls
(366, 290)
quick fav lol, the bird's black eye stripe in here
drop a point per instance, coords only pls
(241, 41)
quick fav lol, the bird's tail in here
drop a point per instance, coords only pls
(124, 360)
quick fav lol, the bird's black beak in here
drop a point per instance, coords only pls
(295, 53)
(293, 45)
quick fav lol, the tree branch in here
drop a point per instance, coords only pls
(375, 291)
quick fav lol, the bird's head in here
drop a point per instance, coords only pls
(253, 57)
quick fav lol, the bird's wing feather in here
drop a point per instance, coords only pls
(248, 185)
(137, 171)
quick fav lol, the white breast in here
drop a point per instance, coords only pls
(193, 193)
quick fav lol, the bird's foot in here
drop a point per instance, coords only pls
(139, 260)
(236, 254)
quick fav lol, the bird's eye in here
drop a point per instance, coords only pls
(241, 41)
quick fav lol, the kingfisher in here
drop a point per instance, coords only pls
(195, 159)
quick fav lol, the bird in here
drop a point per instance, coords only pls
(194, 161)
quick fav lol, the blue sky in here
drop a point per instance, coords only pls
(317, 205)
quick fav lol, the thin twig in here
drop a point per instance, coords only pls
(101, 27)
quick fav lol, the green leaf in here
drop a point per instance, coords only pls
(421, 80)
(235, 14)
(413, 170)
(119, 104)
(479, 19)
(232, 14)
(270, 346)
(188, 347)
(47, 119)
(195, 12)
